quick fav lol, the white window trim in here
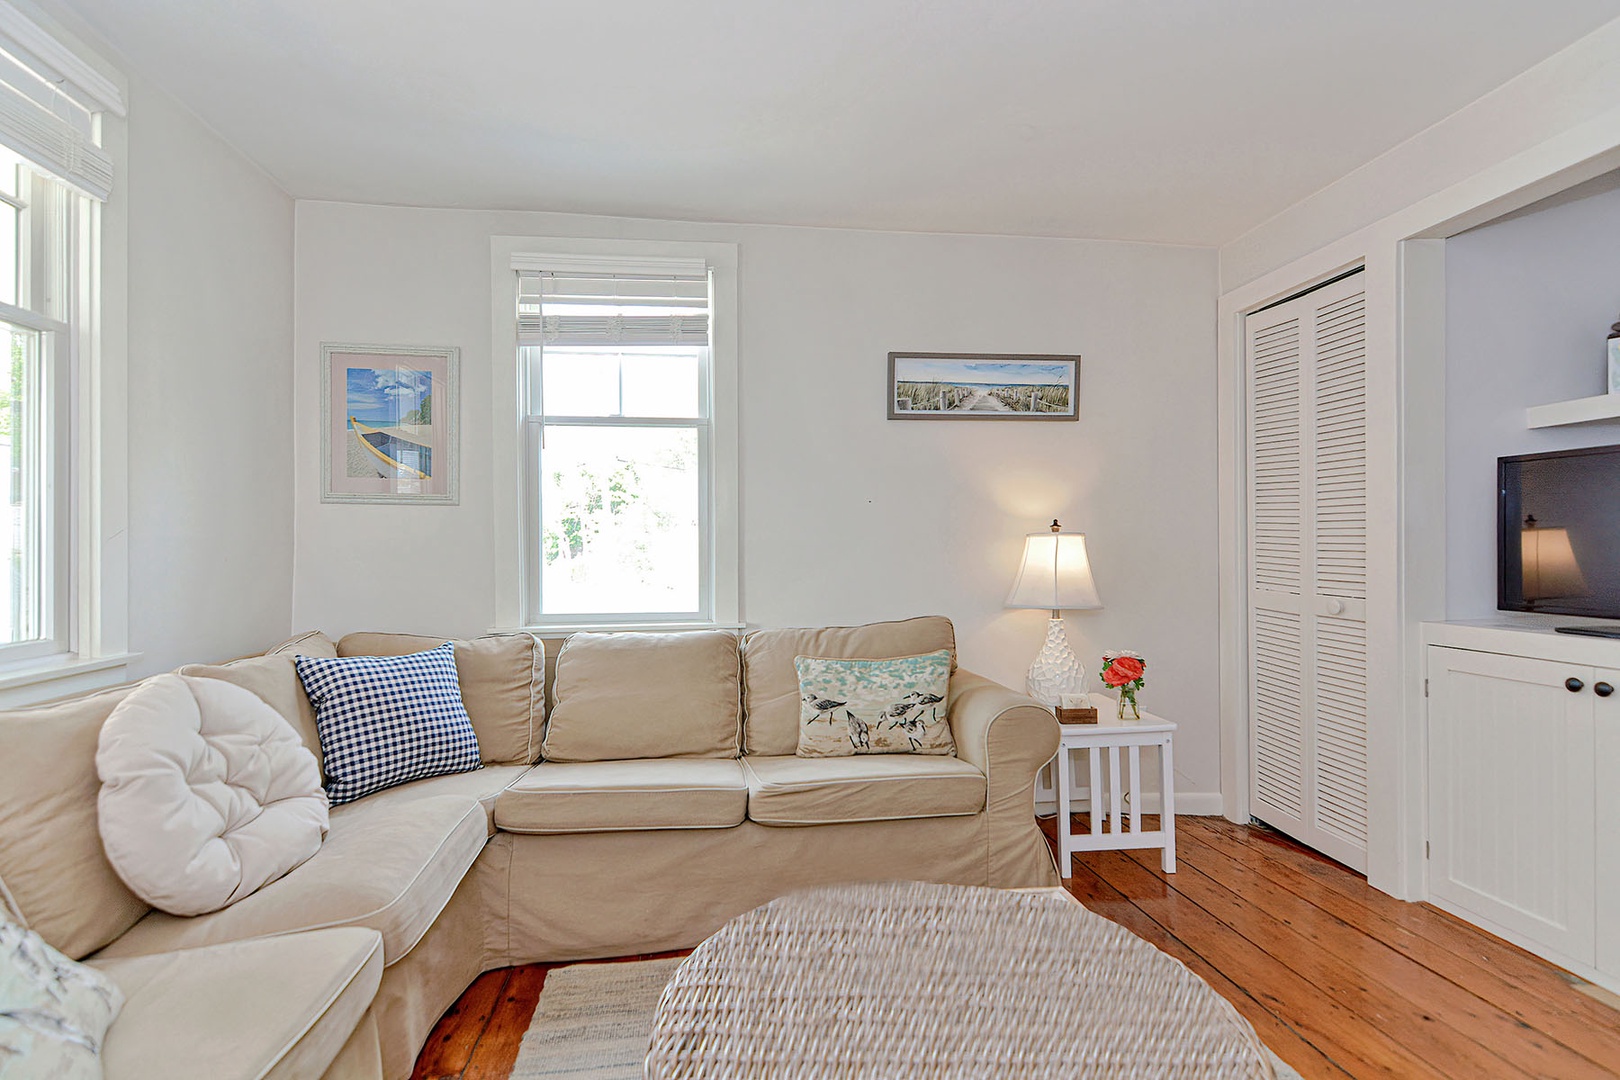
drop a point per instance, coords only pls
(507, 253)
(98, 609)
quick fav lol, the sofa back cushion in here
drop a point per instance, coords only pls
(622, 696)
(51, 857)
(309, 643)
(274, 679)
(771, 683)
(502, 686)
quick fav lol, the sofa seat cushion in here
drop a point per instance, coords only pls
(791, 790)
(272, 1007)
(625, 796)
(484, 784)
(387, 865)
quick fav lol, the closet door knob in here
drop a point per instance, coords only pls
(1602, 689)
(1574, 685)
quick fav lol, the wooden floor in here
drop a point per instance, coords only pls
(1337, 978)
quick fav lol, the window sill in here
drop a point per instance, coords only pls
(30, 681)
(564, 629)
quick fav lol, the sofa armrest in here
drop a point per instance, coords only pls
(1010, 737)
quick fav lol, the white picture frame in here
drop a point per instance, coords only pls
(390, 424)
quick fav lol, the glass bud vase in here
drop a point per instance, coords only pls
(1128, 709)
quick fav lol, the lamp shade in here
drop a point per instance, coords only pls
(1055, 575)
(1549, 564)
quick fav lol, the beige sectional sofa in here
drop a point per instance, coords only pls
(671, 801)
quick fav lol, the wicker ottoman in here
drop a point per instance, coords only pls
(904, 980)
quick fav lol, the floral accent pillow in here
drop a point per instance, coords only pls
(54, 1013)
(897, 706)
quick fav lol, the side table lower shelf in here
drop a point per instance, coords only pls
(1103, 743)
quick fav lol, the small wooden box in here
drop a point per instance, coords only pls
(1076, 716)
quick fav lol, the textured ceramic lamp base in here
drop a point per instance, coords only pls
(1056, 670)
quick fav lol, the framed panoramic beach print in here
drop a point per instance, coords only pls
(983, 386)
(388, 424)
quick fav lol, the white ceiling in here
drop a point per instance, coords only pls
(1185, 121)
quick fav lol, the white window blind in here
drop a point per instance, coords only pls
(592, 307)
(48, 105)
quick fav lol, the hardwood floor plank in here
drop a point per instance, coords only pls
(1545, 1002)
(1368, 977)
(496, 1052)
(1337, 978)
(1344, 1035)
(450, 1045)
(1393, 975)
(1422, 919)
(1309, 1061)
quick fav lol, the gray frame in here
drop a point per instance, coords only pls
(449, 406)
(896, 413)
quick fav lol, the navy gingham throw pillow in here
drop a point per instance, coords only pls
(384, 720)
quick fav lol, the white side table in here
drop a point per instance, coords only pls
(1111, 736)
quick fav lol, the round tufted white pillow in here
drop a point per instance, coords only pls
(207, 794)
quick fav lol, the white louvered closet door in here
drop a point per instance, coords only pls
(1307, 484)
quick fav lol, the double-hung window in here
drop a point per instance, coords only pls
(53, 175)
(617, 386)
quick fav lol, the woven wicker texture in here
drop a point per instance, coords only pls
(906, 980)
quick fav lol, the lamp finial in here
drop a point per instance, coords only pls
(1055, 526)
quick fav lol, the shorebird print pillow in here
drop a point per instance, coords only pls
(896, 706)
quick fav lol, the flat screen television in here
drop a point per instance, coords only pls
(1558, 534)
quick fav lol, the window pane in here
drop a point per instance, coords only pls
(10, 162)
(8, 253)
(23, 442)
(580, 384)
(648, 381)
(661, 385)
(619, 521)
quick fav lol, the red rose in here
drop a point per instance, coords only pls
(1123, 670)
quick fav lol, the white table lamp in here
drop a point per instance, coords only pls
(1055, 576)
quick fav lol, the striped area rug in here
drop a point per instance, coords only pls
(592, 1023)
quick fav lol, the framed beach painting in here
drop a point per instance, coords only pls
(388, 424)
(983, 386)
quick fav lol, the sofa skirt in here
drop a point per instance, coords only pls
(586, 896)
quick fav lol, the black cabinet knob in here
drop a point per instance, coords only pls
(1574, 685)
(1602, 689)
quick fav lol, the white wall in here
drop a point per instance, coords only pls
(1567, 106)
(210, 392)
(198, 319)
(846, 516)
(1529, 302)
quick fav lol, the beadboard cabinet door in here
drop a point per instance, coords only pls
(1607, 765)
(1512, 796)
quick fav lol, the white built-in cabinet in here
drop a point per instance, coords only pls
(1306, 482)
(1524, 788)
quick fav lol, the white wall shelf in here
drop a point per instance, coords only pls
(1584, 410)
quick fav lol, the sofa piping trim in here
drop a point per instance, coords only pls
(637, 827)
(793, 823)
